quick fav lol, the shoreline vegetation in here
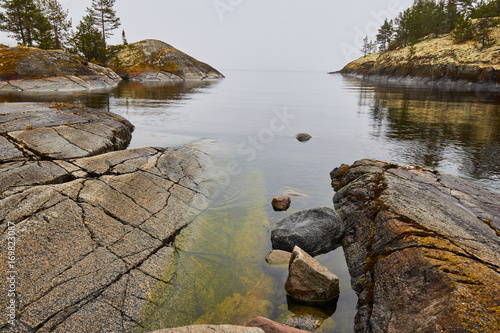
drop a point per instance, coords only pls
(459, 46)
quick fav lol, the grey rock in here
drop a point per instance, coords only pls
(310, 281)
(93, 233)
(303, 137)
(418, 238)
(316, 231)
(39, 131)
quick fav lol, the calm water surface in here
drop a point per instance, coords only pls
(248, 123)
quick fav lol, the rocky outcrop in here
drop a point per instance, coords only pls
(36, 131)
(211, 328)
(310, 281)
(154, 60)
(92, 235)
(316, 231)
(434, 61)
(32, 69)
(423, 249)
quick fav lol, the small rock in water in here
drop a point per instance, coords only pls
(303, 137)
(278, 257)
(310, 281)
(281, 203)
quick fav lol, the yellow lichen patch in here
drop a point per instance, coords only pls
(10, 58)
(67, 106)
(475, 289)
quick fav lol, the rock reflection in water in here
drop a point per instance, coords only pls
(437, 127)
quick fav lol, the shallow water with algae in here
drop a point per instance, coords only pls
(218, 274)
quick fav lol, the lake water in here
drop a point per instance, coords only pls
(248, 123)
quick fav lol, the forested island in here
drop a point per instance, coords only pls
(435, 43)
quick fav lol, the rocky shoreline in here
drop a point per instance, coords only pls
(434, 62)
(423, 248)
(60, 174)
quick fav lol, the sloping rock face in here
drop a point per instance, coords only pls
(154, 60)
(58, 131)
(89, 236)
(32, 69)
(435, 61)
(423, 249)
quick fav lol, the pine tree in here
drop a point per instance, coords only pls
(384, 36)
(24, 21)
(88, 42)
(104, 17)
(124, 38)
(58, 21)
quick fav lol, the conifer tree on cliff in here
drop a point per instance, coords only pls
(104, 17)
(24, 21)
(58, 21)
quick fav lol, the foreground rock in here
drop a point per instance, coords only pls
(37, 131)
(211, 328)
(93, 234)
(435, 61)
(32, 69)
(423, 249)
(278, 257)
(310, 281)
(316, 231)
(269, 326)
(154, 60)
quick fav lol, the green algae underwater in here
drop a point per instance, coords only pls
(217, 275)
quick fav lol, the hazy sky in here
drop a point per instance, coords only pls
(319, 35)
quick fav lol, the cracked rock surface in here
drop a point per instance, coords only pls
(92, 233)
(423, 249)
(31, 69)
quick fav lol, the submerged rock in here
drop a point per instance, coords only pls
(211, 328)
(310, 281)
(154, 60)
(278, 257)
(423, 248)
(316, 231)
(269, 326)
(32, 69)
(281, 203)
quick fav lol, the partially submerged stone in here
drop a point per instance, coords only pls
(278, 257)
(423, 248)
(281, 202)
(316, 231)
(32, 69)
(303, 137)
(310, 281)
